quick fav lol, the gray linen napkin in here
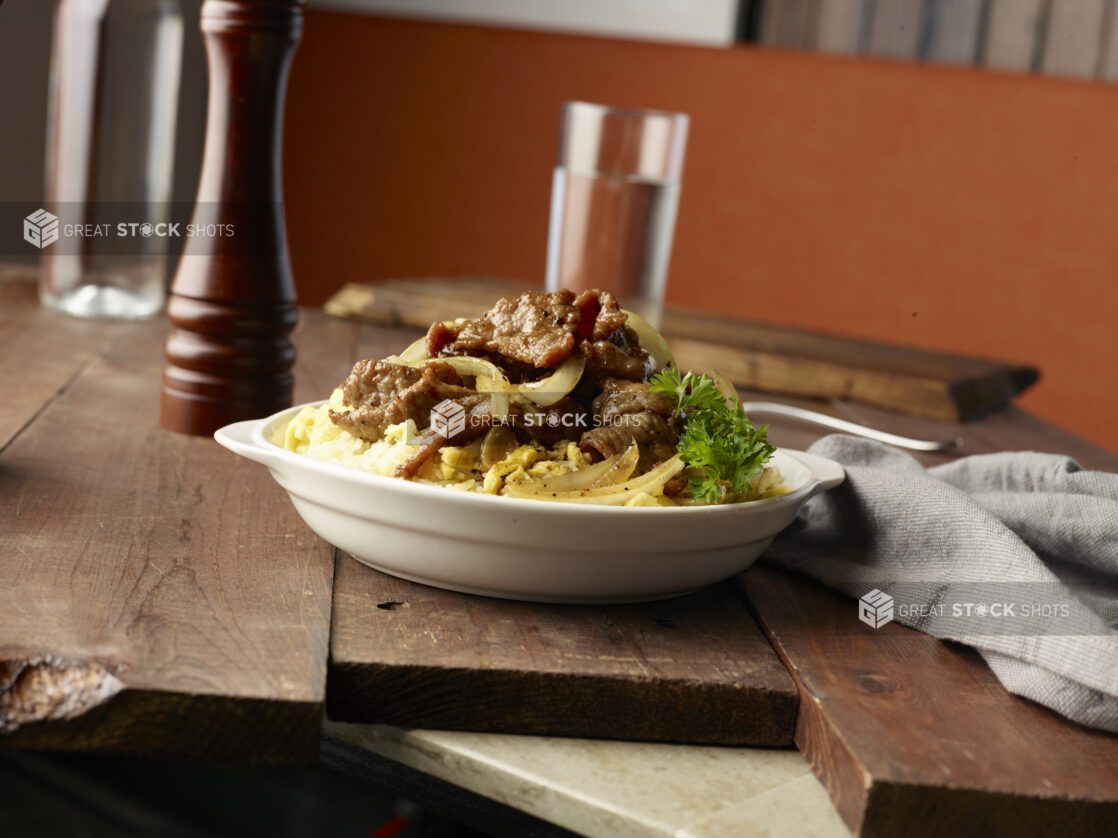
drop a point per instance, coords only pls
(1015, 554)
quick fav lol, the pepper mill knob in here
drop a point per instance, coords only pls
(232, 303)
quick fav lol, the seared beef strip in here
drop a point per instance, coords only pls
(619, 396)
(376, 382)
(440, 336)
(429, 444)
(605, 358)
(626, 412)
(478, 418)
(536, 329)
(651, 431)
(562, 420)
(676, 484)
(382, 394)
(526, 337)
(601, 315)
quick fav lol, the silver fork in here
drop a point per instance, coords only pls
(850, 427)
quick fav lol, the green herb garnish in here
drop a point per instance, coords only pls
(718, 440)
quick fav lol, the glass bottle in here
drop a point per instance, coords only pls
(110, 150)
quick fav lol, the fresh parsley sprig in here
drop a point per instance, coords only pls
(718, 440)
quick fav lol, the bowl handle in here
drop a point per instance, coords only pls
(238, 439)
(827, 472)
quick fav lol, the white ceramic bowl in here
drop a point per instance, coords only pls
(528, 549)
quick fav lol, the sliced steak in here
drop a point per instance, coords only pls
(440, 336)
(478, 420)
(653, 434)
(565, 419)
(376, 382)
(676, 484)
(606, 358)
(619, 356)
(382, 394)
(620, 396)
(536, 329)
(626, 412)
(601, 316)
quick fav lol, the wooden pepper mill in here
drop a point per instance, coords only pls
(232, 303)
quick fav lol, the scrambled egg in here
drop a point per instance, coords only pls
(312, 434)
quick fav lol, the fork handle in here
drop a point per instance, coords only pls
(850, 427)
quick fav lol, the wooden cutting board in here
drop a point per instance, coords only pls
(693, 669)
(912, 736)
(755, 356)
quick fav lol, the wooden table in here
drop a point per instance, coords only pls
(158, 594)
(155, 594)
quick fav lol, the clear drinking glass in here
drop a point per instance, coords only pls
(110, 149)
(613, 203)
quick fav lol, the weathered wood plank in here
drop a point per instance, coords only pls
(693, 669)
(160, 589)
(913, 736)
(40, 351)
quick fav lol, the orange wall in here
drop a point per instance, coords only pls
(948, 208)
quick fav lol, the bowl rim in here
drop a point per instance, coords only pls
(248, 438)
